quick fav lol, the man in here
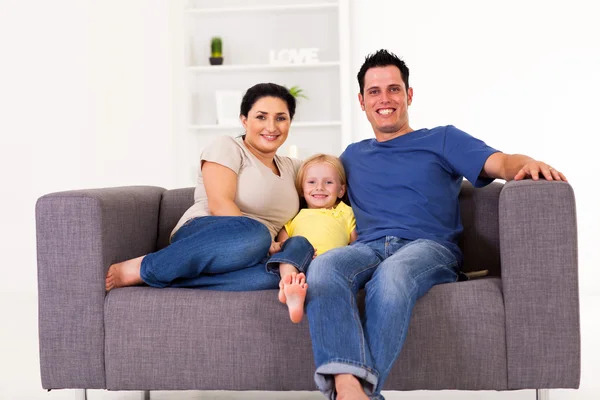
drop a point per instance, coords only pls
(403, 187)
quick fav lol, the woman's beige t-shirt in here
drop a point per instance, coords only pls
(260, 195)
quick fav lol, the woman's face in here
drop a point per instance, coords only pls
(267, 126)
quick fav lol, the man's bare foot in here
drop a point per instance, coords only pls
(294, 289)
(348, 387)
(281, 295)
(126, 273)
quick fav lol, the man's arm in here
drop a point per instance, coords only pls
(518, 167)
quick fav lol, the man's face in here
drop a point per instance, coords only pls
(386, 101)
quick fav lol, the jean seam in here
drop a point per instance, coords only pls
(355, 309)
(307, 259)
(408, 309)
(356, 316)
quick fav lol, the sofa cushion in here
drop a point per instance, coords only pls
(172, 206)
(455, 340)
(180, 339)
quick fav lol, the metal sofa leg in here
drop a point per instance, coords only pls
(81, 394)
(542, 394)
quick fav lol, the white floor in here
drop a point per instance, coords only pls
(20, 377)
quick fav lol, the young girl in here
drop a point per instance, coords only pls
(327, 222)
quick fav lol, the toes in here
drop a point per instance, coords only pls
(286, 280)
(302, 279)
(281, 296)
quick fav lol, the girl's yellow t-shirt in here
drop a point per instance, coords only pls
(324, 228)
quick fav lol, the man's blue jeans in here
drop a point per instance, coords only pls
(394, 273)
(223, 253)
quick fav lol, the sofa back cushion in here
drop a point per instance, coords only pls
(480, 240)
(172, 206)
(478, 207)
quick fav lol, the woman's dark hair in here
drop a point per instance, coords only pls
(381, 58)
(261, 90)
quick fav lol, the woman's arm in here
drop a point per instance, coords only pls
(220, 184)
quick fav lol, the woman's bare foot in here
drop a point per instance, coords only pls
(348, 387)
(126, 273)
(294, 289)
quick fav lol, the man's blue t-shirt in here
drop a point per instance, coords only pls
(408, 187)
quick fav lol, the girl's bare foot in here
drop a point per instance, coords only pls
(126, 273)
(294, 289)
(281, 295)
(348, 387)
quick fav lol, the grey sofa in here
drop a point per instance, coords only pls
(518, 328)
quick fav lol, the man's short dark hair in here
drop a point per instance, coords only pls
(381, 58)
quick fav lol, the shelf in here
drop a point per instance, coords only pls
(261, 67)
(319, 124)
(291, 7)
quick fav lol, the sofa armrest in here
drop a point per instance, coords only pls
(538, 251)
(79, 235)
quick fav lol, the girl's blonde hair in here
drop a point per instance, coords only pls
(316, 159)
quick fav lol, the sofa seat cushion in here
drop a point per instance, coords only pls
(185, 339)
(456, 340)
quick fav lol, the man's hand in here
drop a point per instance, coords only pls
(518, 167)
(534, 169)
(275, 248)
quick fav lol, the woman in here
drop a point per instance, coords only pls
(244, 195)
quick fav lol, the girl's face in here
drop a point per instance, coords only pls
(321, 186)
(267, 126)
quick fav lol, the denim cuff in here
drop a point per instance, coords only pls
(296, 251)
(147, 276)
(324, 377)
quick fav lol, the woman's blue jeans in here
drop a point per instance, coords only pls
(223, 253)
(394, 273)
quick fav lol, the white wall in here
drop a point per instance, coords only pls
(521, 75)
(86, 89)
(90, 97)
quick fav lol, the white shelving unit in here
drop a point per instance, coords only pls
(249, 33)
(269, 8)
(262, 67)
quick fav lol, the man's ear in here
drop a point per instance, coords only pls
(361, 100)
(409, 94)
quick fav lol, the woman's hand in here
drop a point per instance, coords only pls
(275, 248)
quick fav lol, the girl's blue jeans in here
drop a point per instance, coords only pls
(223, 253)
